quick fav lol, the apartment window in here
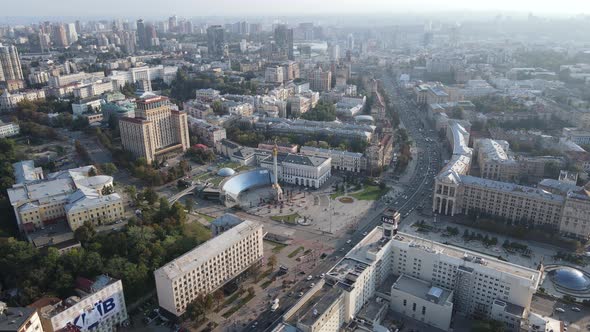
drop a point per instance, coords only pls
(414, 307)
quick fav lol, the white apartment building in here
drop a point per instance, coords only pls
(100, 308)
(9, 129)
(576, 135)
(341, 160)
(209, 266)
(73, 195)
(9, 101)
(93, 105)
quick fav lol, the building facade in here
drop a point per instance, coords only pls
(74, 195)
(209, 266)
(341, 160)
(156, 130)
(99, 308)
(9, 129)
(10, 66)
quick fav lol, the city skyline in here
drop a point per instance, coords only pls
(266, 7)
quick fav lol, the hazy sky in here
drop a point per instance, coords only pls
(188, 8)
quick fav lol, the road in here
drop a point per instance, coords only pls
(418, 192)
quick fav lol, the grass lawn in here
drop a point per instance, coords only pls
(229, 164)
(216, 180)
(266, 284)
(295, 252)
(370, 193)
(202, 176)
(276, 247)
(204, 216)
(336, 194)
(289, 219)
(230, 300)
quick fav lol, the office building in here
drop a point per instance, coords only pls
(156, 130)
(99, 306)
(74, 195)
(209, 266)
(216, 44)
(10, 66)
(142, 41)
(274, 74)
(298, 169)
(482, 286)
(19, 319)
(72, 33)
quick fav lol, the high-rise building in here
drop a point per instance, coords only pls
(156, 130)
(60, 38)
(216, 41)
(173, 23)
(72, 33)
(320, 80)
(10, 67)
(209, 266)
(283, 37)
(142, 41)
(151, 36)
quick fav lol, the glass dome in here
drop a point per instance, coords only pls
(570, 278)
(226, 172)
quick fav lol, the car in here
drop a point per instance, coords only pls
(312, 285)
(309, 277)
(348, 241)
(576, 309)
(322, 276)
(365, 233)
(560, 310)
(300, 294)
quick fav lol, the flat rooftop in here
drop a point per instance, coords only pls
(422, 289)
(318, 304)
(469, 258)
(206, 251)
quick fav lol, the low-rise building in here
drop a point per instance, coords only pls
(341, 160)
(74, 195)
(207, 133)
(9, 101)
(209, 266)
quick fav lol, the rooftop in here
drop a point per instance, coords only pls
(13, 318)
(510, 187)
(318, 304)
(422, 289)
(468, 258)
(206, 251)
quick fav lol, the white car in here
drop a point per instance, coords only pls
(560, 310)
(576, 309)
(348, 241)
(309, 277)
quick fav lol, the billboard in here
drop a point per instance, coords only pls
(91, 315)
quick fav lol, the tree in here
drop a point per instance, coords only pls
(217, 107)
(85, 233)
(189, 204)
(150, 195)
(272, 261)
(487, 326)
(107, 190)
(218, 297)
(108, 168)
(194, 310)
